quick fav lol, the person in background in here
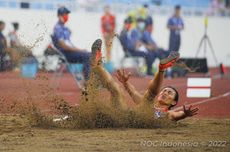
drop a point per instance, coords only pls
(175, 25)
(149, 41)
(13, 36)
(143, 41)
(61, 40)
(125, 34)
(108, 30)
(3, 45)
(147, 17)
(131, 40)
(17, 52)
(132, 15)
(144, 13)
(227, 4)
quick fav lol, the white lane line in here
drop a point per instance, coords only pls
(206, 100)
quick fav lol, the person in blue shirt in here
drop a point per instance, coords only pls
(175, 25)
(61, 40)
(131, 40)
(123, 37)
(148, 19)
(152, 46)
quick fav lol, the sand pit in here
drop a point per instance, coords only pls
(191, 131)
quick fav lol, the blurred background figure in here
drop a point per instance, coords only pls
(84, 13)
(61, 40)
(144, 13)
(16, 50)
(108, 25)
(175, 25)
(132, 42)
(13, 36)
(3, 45)
(125, 34)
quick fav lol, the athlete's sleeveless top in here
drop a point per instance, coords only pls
(160, 112)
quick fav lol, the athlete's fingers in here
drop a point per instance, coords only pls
(194, 114)
(121, 77)
(123, 72)
(117, 76)
(195, 110)
(184, 107)
(116, 71)
(128, 75)
(190, 107)
(119, 73)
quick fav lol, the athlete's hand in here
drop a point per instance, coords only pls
(190, 112)
(122, 76)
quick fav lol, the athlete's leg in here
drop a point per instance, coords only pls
(103, 77)
(111, 85)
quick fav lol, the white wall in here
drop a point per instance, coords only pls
(85, 26)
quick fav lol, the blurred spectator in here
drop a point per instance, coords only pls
(218, 7)
(175, 25)
(108, 30)
(147, 17)
(16, 50)
(136, 36)
(151, 45)
(61, 40)
(132, 15)
(14, 41)
(125, 34)
(227, 4)
(131, 42)
(143, 13)
(3, 45)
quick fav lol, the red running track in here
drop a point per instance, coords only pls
(14, 88)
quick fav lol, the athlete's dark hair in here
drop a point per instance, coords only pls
(176, 98)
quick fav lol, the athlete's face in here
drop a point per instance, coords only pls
(167, 96)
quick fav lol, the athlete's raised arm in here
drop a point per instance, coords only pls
(123, 78)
